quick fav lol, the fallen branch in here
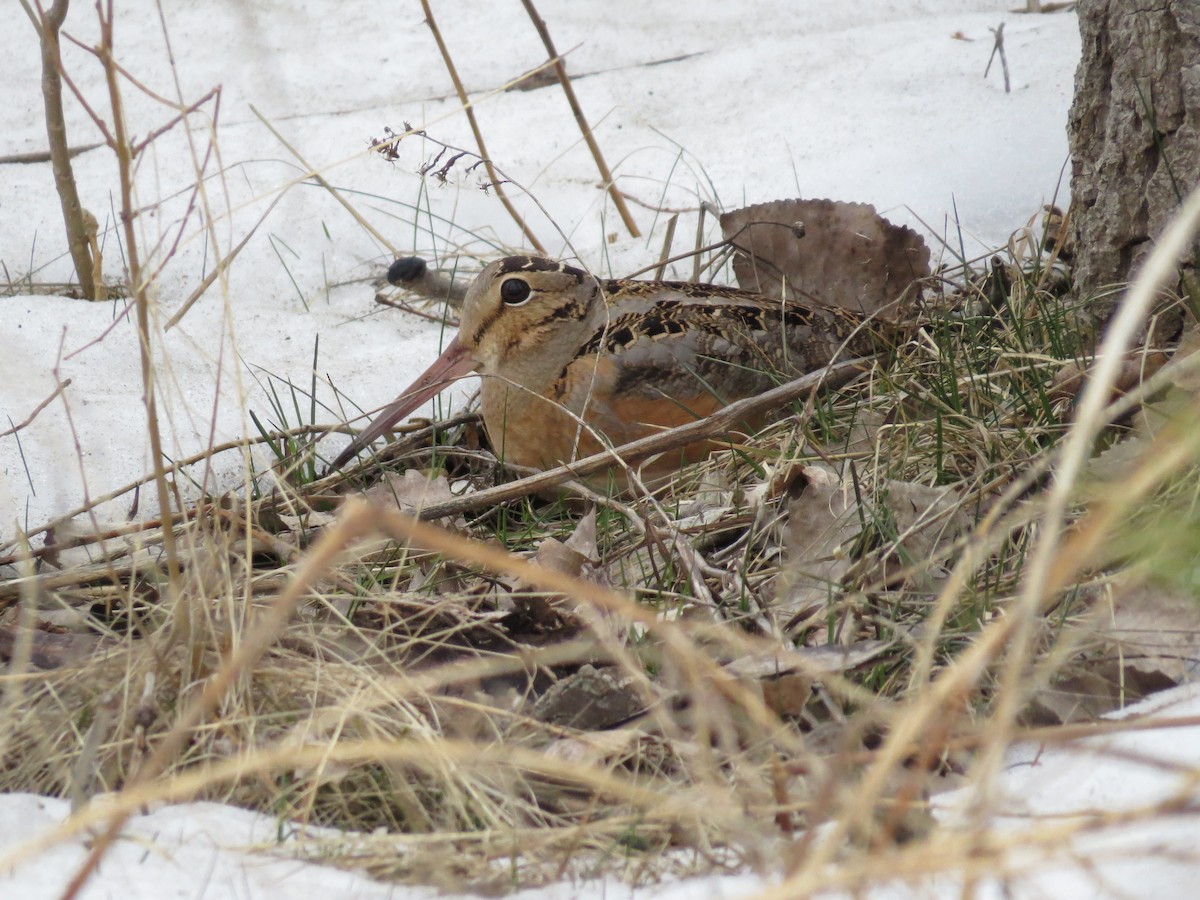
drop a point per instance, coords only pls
(836, 375)
(41, 156)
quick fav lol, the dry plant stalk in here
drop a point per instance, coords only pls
(80, 239)
(585, 129)
(359, 519)
(124, 152)
(1050, 568)
(469, 109)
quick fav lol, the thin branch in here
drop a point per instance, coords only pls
(221, 266)
(561, 70)
(998, 47)
(470, 111)
(122, 148)
(41, 156)
(60, 156)
(668, 239)
(62, 386)
(719, 422)
(409, 308)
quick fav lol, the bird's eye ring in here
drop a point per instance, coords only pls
(515, 291)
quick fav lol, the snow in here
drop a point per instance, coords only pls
(1092, 783)
(881, 101)
(875, 102)
(214, 851)
(186, 851)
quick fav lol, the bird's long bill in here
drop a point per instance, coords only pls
(454, 362)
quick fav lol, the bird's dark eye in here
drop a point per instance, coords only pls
(514, 291)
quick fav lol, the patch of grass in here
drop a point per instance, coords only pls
(293, 447)
(405, 698)
(406, 689)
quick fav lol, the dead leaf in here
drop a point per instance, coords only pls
(813, 661)
(925, 518)
(840, 254)
(1137, 366)
(1156, 631)
(1086, 694)
(553, 554)
(1146, 638)
(583, 538)
(409, 492)
(817, 529)
(593, 748)
(575, 557)
(825, 521)
(1115, 462)
(786, 676)
(591, 699)
(52, 649)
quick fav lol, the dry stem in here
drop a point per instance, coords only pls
(720, 421)
(48, 25)
(584, 128)
(469, 109)
(123, 151)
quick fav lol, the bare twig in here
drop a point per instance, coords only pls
(668, 239)
(123, 150)
(409, 308)
(62, 385)
(41, 156)
(998, 47)
(653, 207)
(48, 25)
(585, 129)
(720, 421)
(470, 112)
(220, 267)
(708, 248)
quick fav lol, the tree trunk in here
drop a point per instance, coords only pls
(1134, 130)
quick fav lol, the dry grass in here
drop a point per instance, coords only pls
(370, 684)
(337, 663)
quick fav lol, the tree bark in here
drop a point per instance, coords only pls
(1134, 131)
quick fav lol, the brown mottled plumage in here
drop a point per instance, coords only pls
(555, 346)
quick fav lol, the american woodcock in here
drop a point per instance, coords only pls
(571, 363)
